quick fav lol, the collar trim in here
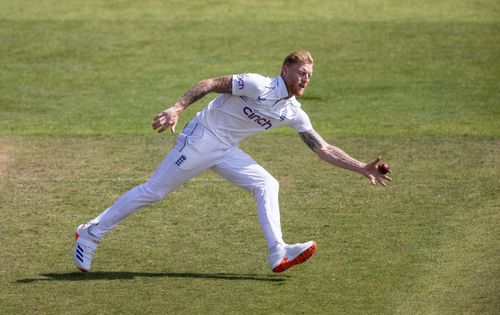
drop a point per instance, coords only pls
(282, 90)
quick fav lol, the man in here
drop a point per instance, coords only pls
(246, 103)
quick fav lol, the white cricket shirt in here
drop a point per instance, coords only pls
(257, 103)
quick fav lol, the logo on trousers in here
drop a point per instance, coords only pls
(180, 160)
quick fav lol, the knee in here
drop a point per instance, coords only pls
(270, 184)
(266, 193)
(152, 193)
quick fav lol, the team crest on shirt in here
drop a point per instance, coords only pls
(284, 113)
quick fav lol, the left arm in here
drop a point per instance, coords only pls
(338, 157)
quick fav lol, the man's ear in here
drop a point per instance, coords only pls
(284, 69)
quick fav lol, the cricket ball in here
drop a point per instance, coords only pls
(384, 168)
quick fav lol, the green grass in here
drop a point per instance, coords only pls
(417, 83)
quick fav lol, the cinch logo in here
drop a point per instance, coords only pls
(259, 120)
(241, 82)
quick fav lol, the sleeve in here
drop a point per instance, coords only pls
(248, 84)
(301, 121)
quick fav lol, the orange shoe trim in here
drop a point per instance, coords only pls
(305, 255)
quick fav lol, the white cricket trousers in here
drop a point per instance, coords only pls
(196, 150)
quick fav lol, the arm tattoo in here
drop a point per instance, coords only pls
(223, 84)
(219, 85)
(310, 138)
(193, 94)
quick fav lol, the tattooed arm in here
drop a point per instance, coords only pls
(338, 157)
(170, 116)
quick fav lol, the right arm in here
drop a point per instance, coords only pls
(170, 116)
(339, 158)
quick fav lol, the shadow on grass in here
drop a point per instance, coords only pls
(124, 275)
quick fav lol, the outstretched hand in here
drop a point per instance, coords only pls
(371, 171)
(166, 119)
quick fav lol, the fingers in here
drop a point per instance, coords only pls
(163, 121)
(167, 125)
(173, 126)
(372, 179)
(376, 180)
(376, 161)
(379, 179)
(375, 175)
(158, 120)
(163, 128)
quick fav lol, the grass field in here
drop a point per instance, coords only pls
(418, 83)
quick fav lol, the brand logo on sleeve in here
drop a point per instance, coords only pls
(264, 122)
(241, 82)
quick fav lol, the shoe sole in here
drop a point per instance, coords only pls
(81, 269)
(305, 255)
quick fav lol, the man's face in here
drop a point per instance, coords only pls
(297, 77)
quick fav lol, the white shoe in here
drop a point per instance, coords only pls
(85, 247)
(288, 256)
